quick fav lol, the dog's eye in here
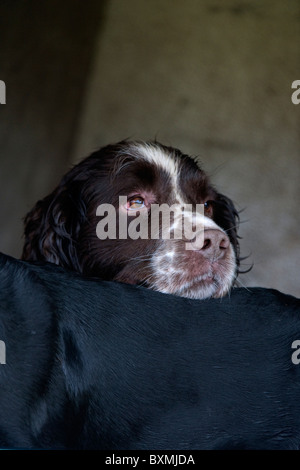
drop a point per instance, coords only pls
(135, 203)
(208, 208)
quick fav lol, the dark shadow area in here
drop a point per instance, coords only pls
(46, 53)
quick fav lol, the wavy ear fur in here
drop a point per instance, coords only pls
(227, 217)
(53, 226)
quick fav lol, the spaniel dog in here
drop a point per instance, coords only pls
(133, 178)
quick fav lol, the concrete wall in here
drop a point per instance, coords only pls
(212, 77)
(45, 54)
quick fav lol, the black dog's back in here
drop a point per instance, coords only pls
(105, 365)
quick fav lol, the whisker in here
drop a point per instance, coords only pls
(142, 258)
(231, 227)
(242, 284)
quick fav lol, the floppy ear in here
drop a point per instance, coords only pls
(227, 217)
(52, 227)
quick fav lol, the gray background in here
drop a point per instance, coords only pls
(212, 77)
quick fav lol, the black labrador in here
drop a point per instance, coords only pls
(89, 364)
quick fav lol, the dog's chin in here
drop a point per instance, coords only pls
(201, 287)
(204, 292)
(197, 289)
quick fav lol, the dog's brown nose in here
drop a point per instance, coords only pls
(214, 244)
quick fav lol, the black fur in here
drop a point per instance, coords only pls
(102, 365)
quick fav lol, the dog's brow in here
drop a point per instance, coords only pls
(120, 163)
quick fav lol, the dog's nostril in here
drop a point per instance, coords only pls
(214, 244)
(206, 244)
(224, 243)
(211, 243)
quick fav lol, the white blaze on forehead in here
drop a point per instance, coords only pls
(166, 161)
(162, 159)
